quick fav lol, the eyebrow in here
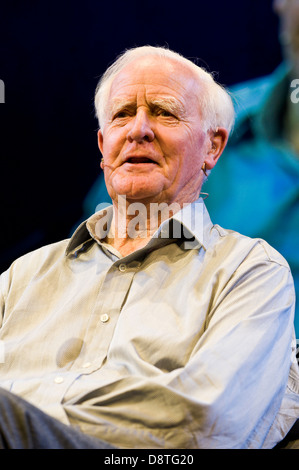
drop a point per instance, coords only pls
(167, 103)
(117, 105)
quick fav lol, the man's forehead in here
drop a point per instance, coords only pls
(153, 72)
(152, 64)
(153, 78)
(133, 98)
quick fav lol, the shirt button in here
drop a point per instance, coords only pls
(122, 267)
(104, 318)
(58, 380)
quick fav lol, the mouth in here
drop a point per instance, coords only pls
(140, 160)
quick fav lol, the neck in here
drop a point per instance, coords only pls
(134, 223)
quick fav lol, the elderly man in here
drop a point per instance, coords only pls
(151, 327)
(265, 142)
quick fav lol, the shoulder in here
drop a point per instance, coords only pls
(251, 273)
(247, 249)
(34, 263)
(45, 253)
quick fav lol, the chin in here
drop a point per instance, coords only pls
(137, 188)
(140, 195)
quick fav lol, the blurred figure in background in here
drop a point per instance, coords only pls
(255, 189)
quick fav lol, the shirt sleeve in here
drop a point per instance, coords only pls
(229, 392)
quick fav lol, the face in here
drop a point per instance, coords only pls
(152, 141)
(288, 11)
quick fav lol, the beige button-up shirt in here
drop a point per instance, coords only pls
(186, 343)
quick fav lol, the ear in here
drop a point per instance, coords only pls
(100, 145)
(218, 141)
(100, 141)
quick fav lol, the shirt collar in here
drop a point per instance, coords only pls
(192, 225)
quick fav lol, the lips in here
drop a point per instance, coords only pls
(139, 159)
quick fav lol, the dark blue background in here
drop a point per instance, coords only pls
(51, 57)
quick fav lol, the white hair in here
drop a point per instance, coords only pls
(216, 106)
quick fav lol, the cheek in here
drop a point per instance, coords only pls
(194, 157)
(112, 143)
(187, 148)
(183, 166)
(174, 146)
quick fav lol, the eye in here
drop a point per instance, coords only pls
(121, 114)
(124, 112)
(165, 113)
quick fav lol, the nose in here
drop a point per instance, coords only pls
(141, 128)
